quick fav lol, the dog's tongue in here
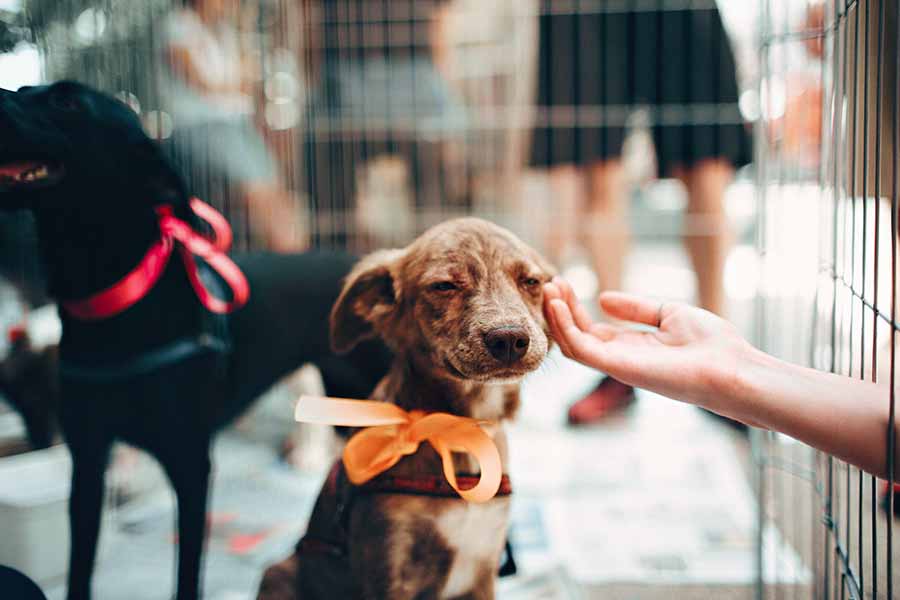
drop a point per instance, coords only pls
(15, 168)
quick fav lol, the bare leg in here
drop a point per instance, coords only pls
(275, 216)
(605, 234)
(707, 237)
(562, 232)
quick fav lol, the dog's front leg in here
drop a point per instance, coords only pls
(189, 474)
(85, 506)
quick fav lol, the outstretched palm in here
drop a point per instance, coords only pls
(682, 351)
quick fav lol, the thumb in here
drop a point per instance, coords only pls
(629, 307)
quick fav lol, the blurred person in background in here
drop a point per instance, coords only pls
(209, 84)
(596, 66)
(381, 87)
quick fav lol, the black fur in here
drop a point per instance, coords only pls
(28, 381)
(94, 225)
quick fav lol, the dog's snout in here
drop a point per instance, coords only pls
(507, 344)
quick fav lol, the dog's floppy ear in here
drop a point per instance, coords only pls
(367, 301)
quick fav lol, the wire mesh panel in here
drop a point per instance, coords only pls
(828, 132)
(299, 116)
(359, 123)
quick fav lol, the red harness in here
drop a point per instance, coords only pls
(138, 283)
(341, 493)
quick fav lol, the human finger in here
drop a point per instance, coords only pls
(575, 343)
(554, 321)
(629, 307)
(582, 318)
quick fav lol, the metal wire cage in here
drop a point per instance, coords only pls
(365, 137)
(383, 166)
(374, 120)
(828, 146)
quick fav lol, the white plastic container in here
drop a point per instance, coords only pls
(34, 522)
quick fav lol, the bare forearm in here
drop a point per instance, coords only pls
(840, 415)
(183, 64)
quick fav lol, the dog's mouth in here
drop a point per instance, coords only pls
(27, 174)
(503, 375)
(451, 368)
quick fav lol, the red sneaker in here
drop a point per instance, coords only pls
(886, 497)
(608, 397)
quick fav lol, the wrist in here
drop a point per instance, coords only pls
(738, 391)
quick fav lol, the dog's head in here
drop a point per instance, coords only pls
(463, 301)
(67, 143)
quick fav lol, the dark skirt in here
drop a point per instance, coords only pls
(597, 66)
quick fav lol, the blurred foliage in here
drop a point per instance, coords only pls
(13, 29)
(104, 43)
(42, 14)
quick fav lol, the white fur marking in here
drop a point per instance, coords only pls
(463, 527)
(491, 406)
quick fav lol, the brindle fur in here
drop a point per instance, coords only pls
(416, 547)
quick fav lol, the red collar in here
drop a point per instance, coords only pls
(422, 484)
(138, 283)
(426, 485)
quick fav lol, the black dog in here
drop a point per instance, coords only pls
(165, 373)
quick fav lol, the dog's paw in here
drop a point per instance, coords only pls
(279, 582)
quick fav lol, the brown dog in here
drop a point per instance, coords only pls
(461, 309)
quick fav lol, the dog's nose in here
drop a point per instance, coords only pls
(507, 344)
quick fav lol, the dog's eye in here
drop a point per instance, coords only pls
(443, 286)
(64, 102)
(530, 281)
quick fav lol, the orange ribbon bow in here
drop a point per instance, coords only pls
(391, 433)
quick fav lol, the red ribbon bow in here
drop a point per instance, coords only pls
(138, 283)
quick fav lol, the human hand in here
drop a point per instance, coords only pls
(690, 354)
(286, 235)
(276, 218)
